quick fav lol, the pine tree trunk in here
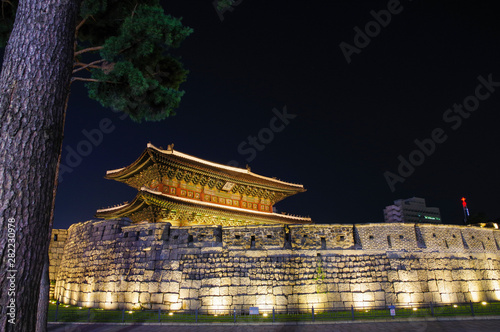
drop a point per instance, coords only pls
(33, 89)
(43, 299)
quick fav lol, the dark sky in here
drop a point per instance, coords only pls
(351, 122)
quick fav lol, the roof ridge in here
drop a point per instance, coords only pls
(173, 152)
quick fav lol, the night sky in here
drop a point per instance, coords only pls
(347, 123)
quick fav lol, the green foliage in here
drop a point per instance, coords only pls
(142, 96)
(137, 74)
(7, 17)
(144, 79)
(320, 277)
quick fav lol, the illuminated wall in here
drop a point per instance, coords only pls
(114, 264)
(56, 251)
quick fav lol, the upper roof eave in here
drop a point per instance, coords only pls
(124, 171)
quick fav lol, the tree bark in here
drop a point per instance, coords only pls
(43, 299)
(34, 84)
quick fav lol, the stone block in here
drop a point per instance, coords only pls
(277, 290)
(207, 301)
(373, 286)
(417, 297)
(184, 293)
(214, 291)
(238, 300)
(262, 290)
(251, 290)
(249, 299)
(447, 275)
(344, 288)
(332, 287)
(378, 296)
(224, 291)
(392, 275)
(303, 299)
(433, 287)
(403, 298)
(333, 297)
(145, 298)
(193, 293)
(346, 297)
(281, 300)
(170, 297)
(406, 276)
(225, 300)
(156, 298)
(204, 291)
(368, 297)
(225, 281)
(357, 297)
(173, 287)
(355, 287)
(131, 297)
(144, 287)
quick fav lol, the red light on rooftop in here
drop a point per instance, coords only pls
(463, 202)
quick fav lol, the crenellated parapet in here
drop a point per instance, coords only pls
(254, 237)
(322, 236)
(377, 236)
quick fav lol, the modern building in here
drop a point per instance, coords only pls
(412, 210)
(185, 190)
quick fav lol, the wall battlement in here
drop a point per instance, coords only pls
(116, 264)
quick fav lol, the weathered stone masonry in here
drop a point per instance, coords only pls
(56, 250)
(115, 264)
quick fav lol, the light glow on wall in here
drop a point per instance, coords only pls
(176, 306)
(476, 297)
(110, 306)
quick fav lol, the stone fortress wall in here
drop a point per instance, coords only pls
(114, 264)
(56, 251)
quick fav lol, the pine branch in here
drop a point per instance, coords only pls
(87, 65)
(83, 79)
(133, 11)
(79, 26)
(75, 44)
(90, 49)
(10, 3)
